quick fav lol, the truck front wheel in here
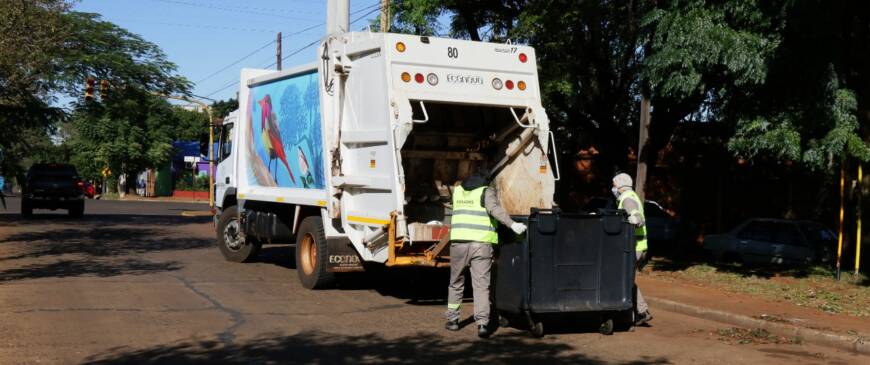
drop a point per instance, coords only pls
(312, 255)
(230, 240)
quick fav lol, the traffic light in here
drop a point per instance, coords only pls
(89, 89)
(104, 89)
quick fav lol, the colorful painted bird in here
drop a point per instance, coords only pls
(271, 136)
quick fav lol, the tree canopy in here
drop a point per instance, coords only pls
(788, 78)
(48, 53)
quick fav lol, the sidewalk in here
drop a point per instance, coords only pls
(743, 310)
(133, 197)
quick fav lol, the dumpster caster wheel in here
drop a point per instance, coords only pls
(537, 329)
(606, 328)
(503, 322)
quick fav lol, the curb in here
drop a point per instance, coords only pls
(196, 213)
(158, 200)
(855, 344)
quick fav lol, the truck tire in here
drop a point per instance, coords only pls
(229, 237)
(77, 211)
(26, 208)
(312, 254)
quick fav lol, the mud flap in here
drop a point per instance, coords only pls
(343, 257)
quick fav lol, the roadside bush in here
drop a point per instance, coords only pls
(185, 182)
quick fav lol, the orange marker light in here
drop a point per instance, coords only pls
(400, 47)
(521, 85)
(406, 77)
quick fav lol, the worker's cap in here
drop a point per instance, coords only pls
(622, 180)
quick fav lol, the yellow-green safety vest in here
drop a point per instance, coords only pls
(639, 232)
(470, 220)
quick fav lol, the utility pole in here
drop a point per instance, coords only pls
(640, 178)
(859, 195)
(385, 16)
(278, 53)
(337, 14)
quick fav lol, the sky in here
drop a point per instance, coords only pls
(206, 38)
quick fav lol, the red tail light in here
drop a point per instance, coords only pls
(419, 78)
(509, 84)
(523, 58)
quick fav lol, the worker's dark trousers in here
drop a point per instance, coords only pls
(477, 258)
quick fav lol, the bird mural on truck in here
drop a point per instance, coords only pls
(271, 138)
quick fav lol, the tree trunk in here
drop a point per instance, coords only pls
(642, 150)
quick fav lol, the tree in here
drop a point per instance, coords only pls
(49, 51)
(813, 105)
(222, 108)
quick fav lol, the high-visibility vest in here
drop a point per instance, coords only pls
(639, 232)
(470, 220)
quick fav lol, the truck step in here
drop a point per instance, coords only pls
(362, 182)
(352, 137)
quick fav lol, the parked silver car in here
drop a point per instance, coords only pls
(779, 241)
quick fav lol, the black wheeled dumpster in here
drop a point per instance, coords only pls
(567, 264)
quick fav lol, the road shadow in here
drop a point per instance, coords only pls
(278, 255)
(100, 250)
(313, 347)
(98, 242)
(416, 285)
(75, 268)
(104, 220)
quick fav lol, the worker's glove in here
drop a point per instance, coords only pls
(518, 227)
(633, 219)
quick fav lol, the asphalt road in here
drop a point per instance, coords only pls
(138, 282)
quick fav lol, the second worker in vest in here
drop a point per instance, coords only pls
(631, 203)
(473, 236)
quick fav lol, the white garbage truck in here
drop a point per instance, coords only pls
(354, 157)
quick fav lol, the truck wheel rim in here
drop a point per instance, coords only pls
(309, 254)
(231, 235)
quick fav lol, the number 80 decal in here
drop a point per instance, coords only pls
(452, 52)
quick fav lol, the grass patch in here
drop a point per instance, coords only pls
(755, 336)
(812, 287)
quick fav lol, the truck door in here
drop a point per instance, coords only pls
(224, 171)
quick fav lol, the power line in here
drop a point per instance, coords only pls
(230, 9)
(268, 9)
(203, 26)
(237, 61)
(295, 52)
(274, 41)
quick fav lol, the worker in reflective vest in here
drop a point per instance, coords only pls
(473, 235)
(631, 203)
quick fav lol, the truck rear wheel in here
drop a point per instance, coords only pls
(232, 245)
(312, 254)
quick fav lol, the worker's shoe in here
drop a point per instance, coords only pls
(643, 318)
(483, 331)
(452, 325)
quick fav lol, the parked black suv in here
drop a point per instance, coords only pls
(53, 186)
